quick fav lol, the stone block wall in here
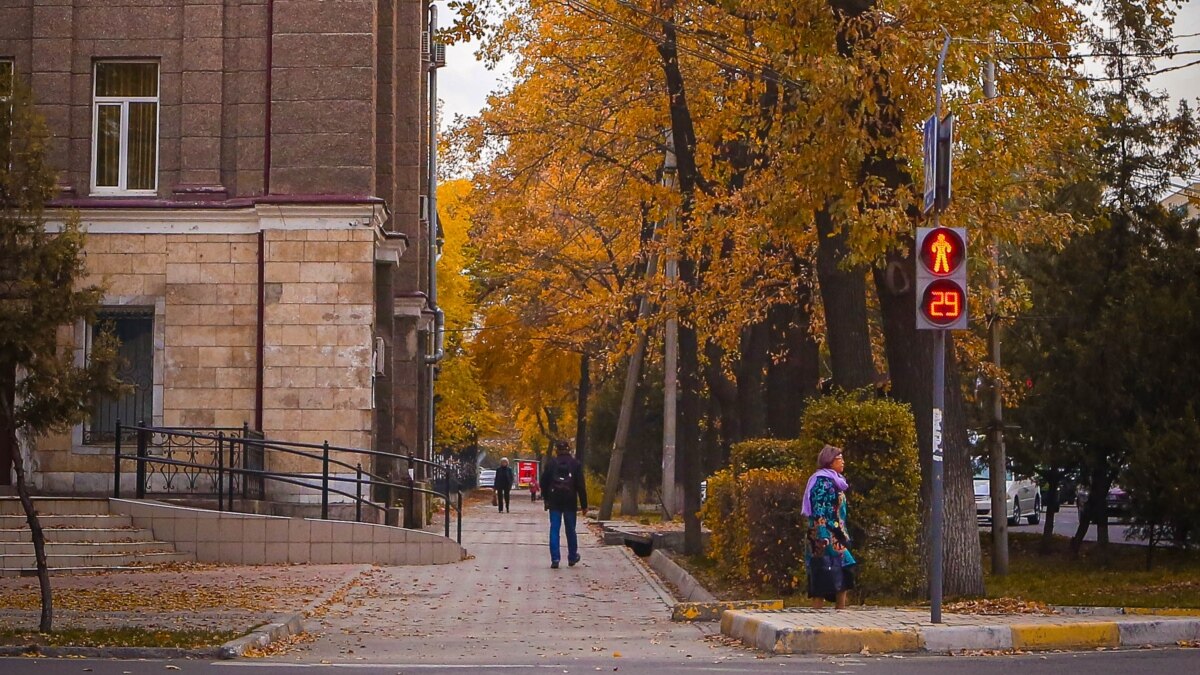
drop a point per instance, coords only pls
(319, 318)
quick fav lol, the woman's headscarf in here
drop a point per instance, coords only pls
(824, 460)
(827, 455)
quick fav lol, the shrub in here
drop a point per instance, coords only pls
(772, 499)
(729, 543)
(753, 507)
(594, 484)
(769, 453)
(880, 446)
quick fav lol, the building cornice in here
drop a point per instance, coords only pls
(234, 216)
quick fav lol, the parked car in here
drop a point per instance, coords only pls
(1024, 497)
(1116, 502)
(487, 478)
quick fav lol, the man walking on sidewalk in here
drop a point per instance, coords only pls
(563, 490)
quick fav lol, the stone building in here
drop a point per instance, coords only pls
(252, 176)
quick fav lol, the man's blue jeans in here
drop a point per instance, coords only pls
(563, 518)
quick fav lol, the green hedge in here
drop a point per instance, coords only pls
(769, 453)
(753, 507)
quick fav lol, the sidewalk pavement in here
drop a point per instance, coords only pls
(878, 631)
(504, 605)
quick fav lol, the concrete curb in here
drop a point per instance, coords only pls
(156, 653)
(712, 611)
(756, 629)
(286, 626)
(690, 590)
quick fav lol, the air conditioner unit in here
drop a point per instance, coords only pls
(380, 355)
(439, 55)
(426, 45)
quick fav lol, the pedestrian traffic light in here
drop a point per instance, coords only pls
(941, 278)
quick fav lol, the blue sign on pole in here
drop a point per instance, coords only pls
(931, 145)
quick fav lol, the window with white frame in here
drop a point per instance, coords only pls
(125, 128)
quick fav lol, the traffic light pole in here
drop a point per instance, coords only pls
(939, 381)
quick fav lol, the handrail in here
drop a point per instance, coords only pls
(304, 480)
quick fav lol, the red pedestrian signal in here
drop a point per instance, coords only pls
(941, 278)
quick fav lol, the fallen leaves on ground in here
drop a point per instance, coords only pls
(992, 606)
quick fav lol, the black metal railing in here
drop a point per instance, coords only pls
(231, 463)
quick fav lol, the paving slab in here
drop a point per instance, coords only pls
(505, 605)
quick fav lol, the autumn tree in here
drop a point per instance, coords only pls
(795, 126)
(42, 290)
(464, 411)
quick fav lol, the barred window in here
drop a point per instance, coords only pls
(134, 329)
(125, 131)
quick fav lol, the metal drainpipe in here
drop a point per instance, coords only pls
(260, 349)
(431, 360)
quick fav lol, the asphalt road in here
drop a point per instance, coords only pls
(1067, 520)
(1157, 661)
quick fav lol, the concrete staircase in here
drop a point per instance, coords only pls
(82, 535)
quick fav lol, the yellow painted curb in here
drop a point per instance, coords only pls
(712, 611)
(848, 641)
(1066, 636)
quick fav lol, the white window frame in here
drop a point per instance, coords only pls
(123, 102)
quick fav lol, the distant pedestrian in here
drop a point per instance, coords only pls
(563, 490)
(503, 484)
(827, 556)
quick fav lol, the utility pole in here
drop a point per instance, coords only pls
(624, 417)
(670, 503)
(998, 475)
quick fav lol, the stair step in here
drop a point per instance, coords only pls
(78, 534)
(86, 548)
(50, 506)
(11, 562)
(79, 520)
(59, 571)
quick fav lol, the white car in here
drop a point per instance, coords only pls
(1024, 497)
(487, 478)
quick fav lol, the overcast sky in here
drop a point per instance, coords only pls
(464, 84)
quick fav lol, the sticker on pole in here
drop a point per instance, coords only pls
(937, 434)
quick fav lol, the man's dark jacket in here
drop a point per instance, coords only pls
(504, 478)
(556, 502)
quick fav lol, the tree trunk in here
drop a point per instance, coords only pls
(8, 437)
(751, 379)
(844, 297)
(683, 135)
(1094, 511)
(1050, 508)
(910, 363)
(794, 377)
(585, 386)
(726, 394)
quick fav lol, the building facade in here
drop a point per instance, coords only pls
(251, 175)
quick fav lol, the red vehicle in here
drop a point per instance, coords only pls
(527, 477)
